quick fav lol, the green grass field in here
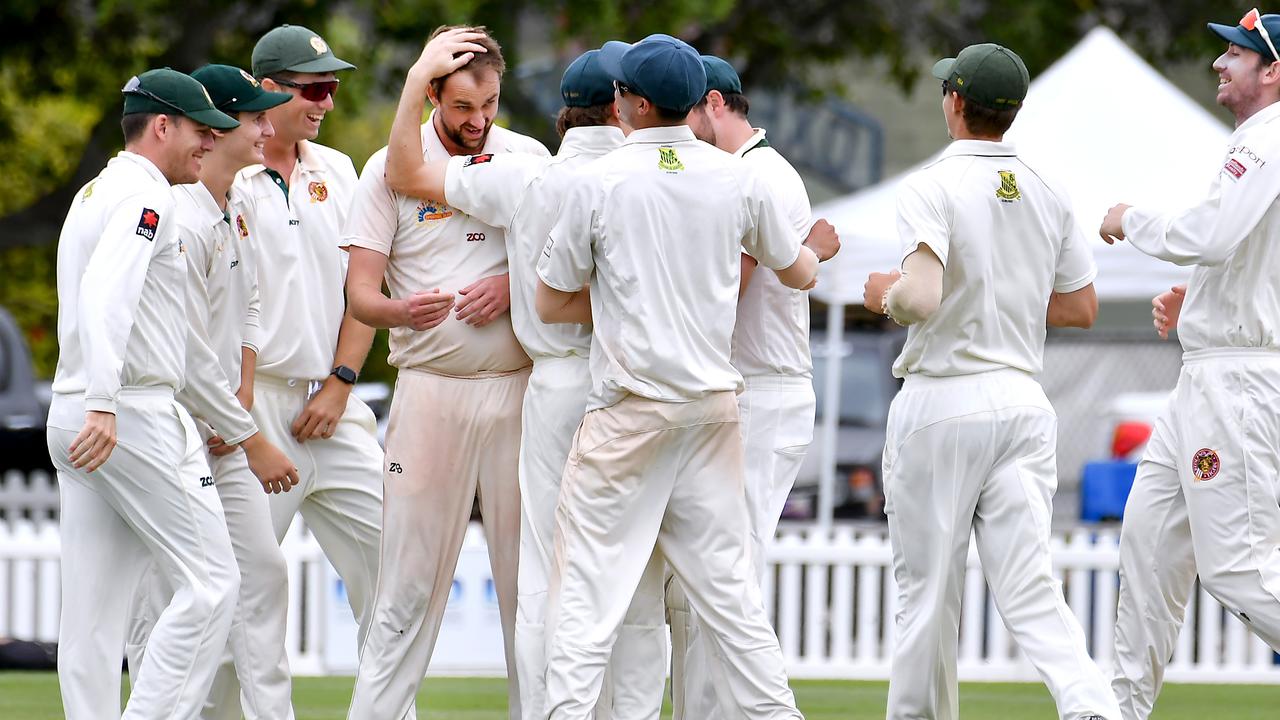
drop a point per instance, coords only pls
(34, 696)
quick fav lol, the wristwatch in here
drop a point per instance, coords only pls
(345, 374)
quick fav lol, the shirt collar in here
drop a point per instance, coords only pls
(1264, 115)
(208, 208)
(984, 148)
(591, 140)
(663, 134)
(144, 163)
(751, 142)
(307, 162)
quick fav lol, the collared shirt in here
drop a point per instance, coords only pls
(431, 245)
(1233, 237)
(1007, 239)
(121, 288)
(301, 267)
(772, 333)
(222, 299)
(658, 226)
(521, 194)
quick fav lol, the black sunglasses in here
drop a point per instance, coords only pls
(946, 88)
(315, 92)
(622, 88)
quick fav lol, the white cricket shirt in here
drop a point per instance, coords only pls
(1007, 239)
(1233, 237)
(431, 245)
(121, 291)
(658, 227)
(295, 237)
(521, 194)
(221, 301)
(772, 333)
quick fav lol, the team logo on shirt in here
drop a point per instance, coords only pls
(88, 190)
(319, 191)
(1205, 465)
(428, 210)
(241, 227)
(148, 223)
(668, 160)
(1008, 190)
(477, 160)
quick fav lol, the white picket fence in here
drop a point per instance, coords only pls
(831, 596)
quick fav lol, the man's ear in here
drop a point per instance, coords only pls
(715, 101)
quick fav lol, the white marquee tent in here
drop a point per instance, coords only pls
(1103, 123)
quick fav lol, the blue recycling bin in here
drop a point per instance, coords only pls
(1104, 489)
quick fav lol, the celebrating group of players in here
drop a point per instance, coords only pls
(586, 345)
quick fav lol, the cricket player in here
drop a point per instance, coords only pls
(134, 483)
(454, 430)
(520, 194)
(310, 347)
(658, 227)
(771, 352)
(991, 254)
(1205, 492)
(223, 310)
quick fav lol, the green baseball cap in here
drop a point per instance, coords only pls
(234, 90)
(987, 74)
(297, 49)
(721, 75)
(173, 93)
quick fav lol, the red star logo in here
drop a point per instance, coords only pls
(150, 218)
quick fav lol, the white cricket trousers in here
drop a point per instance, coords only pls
(776, 414)
(449, 440)
(975, 454)
(553, 406)
(645, 474)
(254, 679)
(1207, 495)
(152, 500)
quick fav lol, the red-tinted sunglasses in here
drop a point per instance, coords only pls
(315, 92)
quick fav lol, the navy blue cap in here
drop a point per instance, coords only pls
(585, 83)
(721, 75)
(661, 68)
(1251, 38)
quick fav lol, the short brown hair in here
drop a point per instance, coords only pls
(986, 122)
(590, 116)
(491, 58)
(134, 124)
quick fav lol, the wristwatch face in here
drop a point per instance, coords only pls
(345, 374)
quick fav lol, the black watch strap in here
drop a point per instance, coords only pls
(345, 374)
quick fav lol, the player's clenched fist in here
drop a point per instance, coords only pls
(823, 240)
(1113, 224)
(425, 310)
(873, 291)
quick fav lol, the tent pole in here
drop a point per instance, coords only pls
(831, 415)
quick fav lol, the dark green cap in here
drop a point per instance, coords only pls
(297, 49)
(173, 93)
(585, 83)
(987, 74)
(234, 90)
(721, 75)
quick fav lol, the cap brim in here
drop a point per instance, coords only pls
(324, 64)
(942, 68)
(265, 101)
(610, 59)
(215, 119)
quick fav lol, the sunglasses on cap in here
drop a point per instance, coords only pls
(946, 88)
(315, 91)
(134, 87)
(622, 88)
(1252, 20)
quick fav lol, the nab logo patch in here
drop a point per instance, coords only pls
(1008, 190)
(319, 192)
(668, 160)
(1235, 167)
(395, 468)
(428, 210)
(477, 160)
(148, 223)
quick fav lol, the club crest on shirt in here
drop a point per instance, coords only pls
(241, 227)
(668, 160)
(148, 223)
(477, 160)
(319, 191)
(88, 190)
(1205, 465)
(428, 210)
(1236, 168)
(1008, 190)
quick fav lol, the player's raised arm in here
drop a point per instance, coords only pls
(407, 171)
